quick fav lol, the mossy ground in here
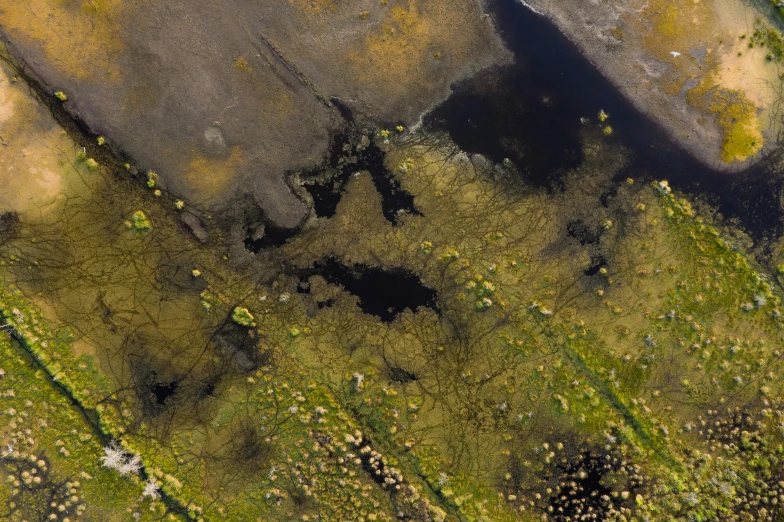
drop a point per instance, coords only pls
(607, 322)
(43, 431)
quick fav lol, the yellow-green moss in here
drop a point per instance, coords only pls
(736, 116)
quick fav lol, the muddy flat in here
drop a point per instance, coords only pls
(218, 99)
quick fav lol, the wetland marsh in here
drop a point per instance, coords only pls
(503, 313)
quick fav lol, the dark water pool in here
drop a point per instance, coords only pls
(530, 113)
(382, 292)
(345, 158)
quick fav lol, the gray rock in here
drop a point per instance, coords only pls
(195, 226)
(479, 161)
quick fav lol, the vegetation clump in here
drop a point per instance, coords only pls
(736, 116)
(575, 356)
(139, 222)
(152, 179)
(242, 316)
(772, 40)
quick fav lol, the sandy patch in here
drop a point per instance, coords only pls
(742, 67)
(32, 149)
(6, 103)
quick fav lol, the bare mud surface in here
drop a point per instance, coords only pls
(219, 98)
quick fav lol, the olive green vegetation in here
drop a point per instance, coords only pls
(777, 4)
(50, 465)
(629, 349)
(554, 356)
(771, 39)
(247, 435)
